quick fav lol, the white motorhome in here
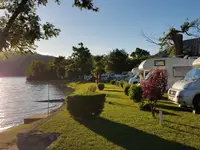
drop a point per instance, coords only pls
(186, 92)
(176, 67)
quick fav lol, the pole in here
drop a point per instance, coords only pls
(48, 98)
(161, 117)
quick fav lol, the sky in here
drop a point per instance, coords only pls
(118, 24)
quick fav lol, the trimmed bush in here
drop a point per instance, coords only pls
(135, 93)
(92, 88)
(126, 88)
(113, 82)
(101, 86)
(86, 106)
(145, 106)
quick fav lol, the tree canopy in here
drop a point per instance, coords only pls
(21, 26)
(116, 61)
(139, 53)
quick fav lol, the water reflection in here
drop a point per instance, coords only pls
(17, 99)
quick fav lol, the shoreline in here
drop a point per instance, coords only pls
(8, 136)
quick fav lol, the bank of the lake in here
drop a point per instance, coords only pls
(17, 99)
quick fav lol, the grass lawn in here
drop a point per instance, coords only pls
(123, 126)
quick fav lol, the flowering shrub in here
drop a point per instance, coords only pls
(154, 88)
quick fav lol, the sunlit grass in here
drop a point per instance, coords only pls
(123, 126)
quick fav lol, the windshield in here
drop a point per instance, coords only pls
(136, 77)
(147, 76)
(193, 74)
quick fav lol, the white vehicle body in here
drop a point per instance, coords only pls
(176, 67)
(185, 91)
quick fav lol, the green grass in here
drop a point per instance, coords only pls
(123, 126)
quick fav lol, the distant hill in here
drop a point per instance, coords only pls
(15, 65)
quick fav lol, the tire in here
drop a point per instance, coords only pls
(196, 103)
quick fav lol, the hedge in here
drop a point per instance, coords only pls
(86, 105)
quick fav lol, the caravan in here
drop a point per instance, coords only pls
(176, 67)
(186, 92)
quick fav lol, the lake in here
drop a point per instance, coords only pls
(18, 96)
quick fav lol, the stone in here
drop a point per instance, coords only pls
(36, 141)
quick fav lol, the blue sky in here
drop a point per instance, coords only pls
(118, 24)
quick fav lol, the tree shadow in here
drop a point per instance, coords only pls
(184, 131)
(113, 90)
(181, 124)
(175, 108)
(119, 104)
(130, 138)
(164, 112)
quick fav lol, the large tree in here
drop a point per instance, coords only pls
(173, 39)
(20, 27)
(117, 61)
(58, 65)
(99, 66)
(81, 60)
(139, 53)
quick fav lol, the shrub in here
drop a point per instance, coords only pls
(101, 86)
(127, 86)
(121, 83)
(135, 93)
(86, 106)
(92, 88)
(154, 88)
(145, 106)
(118, 83)
(113, 82)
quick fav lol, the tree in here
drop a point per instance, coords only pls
(58, 64)
(139, 53)
(99, 66)
(116, 61)
(20, 27)
(36, 71)
(82, 61)
(174, 37)
(154, 88)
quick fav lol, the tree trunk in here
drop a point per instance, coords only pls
(153, 108)
(178, 43)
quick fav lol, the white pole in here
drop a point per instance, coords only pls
(48, 98)
(161, 116)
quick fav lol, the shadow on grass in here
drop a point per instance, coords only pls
(130, 138)
(164, 112)
(181, 124)
(113, 90)
(119, 104)
(184, 131)
(175, 108)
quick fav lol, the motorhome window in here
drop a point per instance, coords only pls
(181, 71)
(159, 62)
(193, 74)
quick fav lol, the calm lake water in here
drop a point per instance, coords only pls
(17, 99)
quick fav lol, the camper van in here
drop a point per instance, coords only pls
(176, 67)
(186, 92)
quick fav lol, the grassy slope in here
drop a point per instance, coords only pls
(123, 126)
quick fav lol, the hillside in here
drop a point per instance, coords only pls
(15, 65)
